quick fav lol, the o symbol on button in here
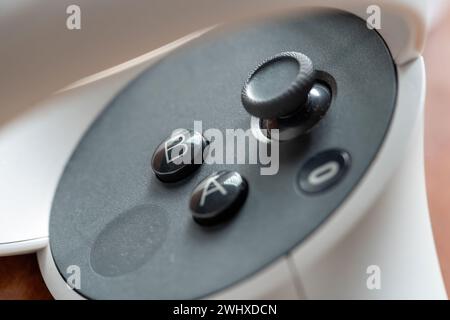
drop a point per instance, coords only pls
(323, 173)
(323, 170)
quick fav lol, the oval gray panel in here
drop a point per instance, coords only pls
(129, 241)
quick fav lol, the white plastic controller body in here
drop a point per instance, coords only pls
(383, 223)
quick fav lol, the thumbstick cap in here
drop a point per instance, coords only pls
(279, 86)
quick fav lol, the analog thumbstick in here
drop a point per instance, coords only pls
(279, 86)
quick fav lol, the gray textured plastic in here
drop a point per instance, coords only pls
(134, 237)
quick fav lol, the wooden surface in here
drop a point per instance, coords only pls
(437, 139)
(20, 276)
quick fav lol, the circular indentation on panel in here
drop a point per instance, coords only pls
(129, 241)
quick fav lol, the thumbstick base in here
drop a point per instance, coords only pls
(301, 122)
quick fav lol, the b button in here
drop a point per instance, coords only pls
(179, 155)
(323, 171)
(218, 197)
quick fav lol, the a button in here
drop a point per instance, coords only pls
(323, 171)
(218, 197)
(179, 155)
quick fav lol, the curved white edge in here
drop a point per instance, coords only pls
(35, 148)
(118, 38)
(23, 247)
(385, 222)
(55, 283)
(275, 283)
(322, 273)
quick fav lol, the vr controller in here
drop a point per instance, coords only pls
(277, 157)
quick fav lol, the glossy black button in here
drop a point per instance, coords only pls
(218, 197)
(179, 155)
(323, 171)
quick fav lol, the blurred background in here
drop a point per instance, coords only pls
(437, 134)
(20, 277)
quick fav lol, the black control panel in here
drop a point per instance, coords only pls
(141, 224)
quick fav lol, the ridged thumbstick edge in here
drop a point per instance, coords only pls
(292, 99)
